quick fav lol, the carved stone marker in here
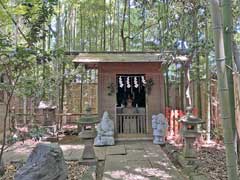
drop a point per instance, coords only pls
(105, 132)
(44, 163)
(159, 125)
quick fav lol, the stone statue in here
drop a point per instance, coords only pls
(105, 132)
(159, 125)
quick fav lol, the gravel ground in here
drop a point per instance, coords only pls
(75, 171)
(211, 158)
(213, 163)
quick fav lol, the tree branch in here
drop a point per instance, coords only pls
(15, 23)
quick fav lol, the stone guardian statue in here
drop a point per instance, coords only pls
(105, 131)
(159, 125)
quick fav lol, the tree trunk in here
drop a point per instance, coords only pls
(114, 26)
(118, 22)
(223, 91)
(62, 93)
(90, 36)
(104, 26)
(25, 110)
(182, 89)
(129, 24)
(227, 35)
(122, 27)
(74, 28)
(81, 32)
(143, 25)
(167, 88)
(5, 123)
(196, 48)
(96, 35)
(208, 88)
(236, 53)
(110, 25)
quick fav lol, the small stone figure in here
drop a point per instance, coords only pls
(159, 125)
(105, 132)
(129, 102)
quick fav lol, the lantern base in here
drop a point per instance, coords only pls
(188, 149)
(189, 164)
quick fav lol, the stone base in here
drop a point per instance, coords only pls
(88, 152)
(198, 177)
(91, 173)
(88, 162)
(189, 165)
(104, 141)
(51, 139)
(87, 134)
(159, 140)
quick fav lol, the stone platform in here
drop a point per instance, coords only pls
(138, 161)
(135, 160)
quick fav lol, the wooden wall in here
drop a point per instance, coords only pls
(107, 74)
(77, 101)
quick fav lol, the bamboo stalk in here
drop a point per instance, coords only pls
(227, 35)
(223, 91)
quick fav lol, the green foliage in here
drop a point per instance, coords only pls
(12, 139)
(217, 133)
(27, 65)
(36, 14)
(37, 133)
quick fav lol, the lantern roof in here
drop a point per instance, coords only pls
(189, 118)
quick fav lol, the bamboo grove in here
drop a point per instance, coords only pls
(36, 35)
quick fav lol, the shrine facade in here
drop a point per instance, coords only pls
(130, 89)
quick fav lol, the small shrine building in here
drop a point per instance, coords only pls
(130, 89)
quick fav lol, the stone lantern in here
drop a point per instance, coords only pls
(189, 132)
(88, 156)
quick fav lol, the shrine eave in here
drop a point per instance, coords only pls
(123, 57)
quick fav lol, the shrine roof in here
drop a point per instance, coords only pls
(122, 57)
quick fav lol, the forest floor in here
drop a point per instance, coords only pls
(211, 158)
(140, 160)
(17, 154)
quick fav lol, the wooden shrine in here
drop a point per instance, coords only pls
(130, 89)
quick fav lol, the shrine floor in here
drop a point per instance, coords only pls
(132, 160)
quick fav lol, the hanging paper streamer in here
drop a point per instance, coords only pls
(128, 83)
(120, 82)
(136, 82)
(143, 80)
(131, 81)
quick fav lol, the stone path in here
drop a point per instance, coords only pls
(20, 151)
(138, 161)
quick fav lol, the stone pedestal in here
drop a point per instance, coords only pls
(88, 156)
(189, 164)
(159, 125)
(188, 149)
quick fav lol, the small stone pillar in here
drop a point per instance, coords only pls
(159, 125)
